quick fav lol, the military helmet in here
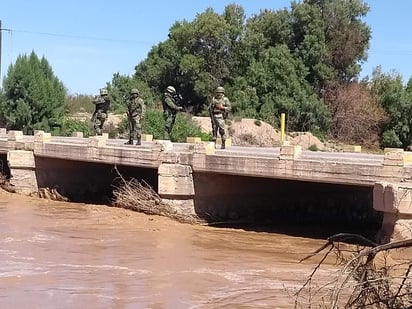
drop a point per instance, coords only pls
(171, 89)
(220, 90)
(103, 91)
(134, 91)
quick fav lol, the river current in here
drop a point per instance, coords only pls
(66, 255)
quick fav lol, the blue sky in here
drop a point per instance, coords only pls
(87, 41)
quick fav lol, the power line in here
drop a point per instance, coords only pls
(72, 36)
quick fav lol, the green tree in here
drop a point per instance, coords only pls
(331, 38)
(119, 92)
(33, 97)
(280, 84)
(79, 103)
(197, 57)
(396, 100)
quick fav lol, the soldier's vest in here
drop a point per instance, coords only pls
(215, 103)
(135, 107)
(167, 110)
(102, 105)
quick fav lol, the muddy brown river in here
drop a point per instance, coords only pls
(64, 255)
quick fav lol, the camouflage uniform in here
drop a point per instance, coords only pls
(219, 108)
(102, 105)
(135, 113)
(170, 109)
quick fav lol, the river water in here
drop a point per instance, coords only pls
(65, 255)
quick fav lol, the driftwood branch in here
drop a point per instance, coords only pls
(361, 283)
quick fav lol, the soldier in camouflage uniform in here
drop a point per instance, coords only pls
(219, 109)
(102, 105)
(170, 109)
(135, 113)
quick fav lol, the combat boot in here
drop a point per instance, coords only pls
(129, 142)
(139, 141)
(223, 144)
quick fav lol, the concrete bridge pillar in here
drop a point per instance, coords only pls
(394, 197)
(175, 177)
(395, 201)
(22, 171)
(176, 187)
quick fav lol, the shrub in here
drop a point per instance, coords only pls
(68, 126)
(153, 124)
(390, 139)
(313, 147)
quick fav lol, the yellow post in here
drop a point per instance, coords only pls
(282, 127)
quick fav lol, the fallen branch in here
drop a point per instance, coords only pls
(373, 287)
(139, 196)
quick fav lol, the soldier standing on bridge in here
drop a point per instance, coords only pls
(135, 113)
(170, 109)
(219, 109)
(102, 105)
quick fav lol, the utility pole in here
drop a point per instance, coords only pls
(1, 31)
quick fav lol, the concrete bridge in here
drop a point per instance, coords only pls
(193, 176)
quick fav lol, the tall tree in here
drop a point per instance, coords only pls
(197, 57)
(33, 97)
(331, 38)
(396, 100)
(274, 61)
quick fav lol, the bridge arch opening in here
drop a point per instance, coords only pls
(88, 182)
(286, 205)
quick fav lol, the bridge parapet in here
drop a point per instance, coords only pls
(397, 157)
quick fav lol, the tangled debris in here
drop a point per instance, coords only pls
(368, 278)
(139, 196)
(50, 194)
(5, 184)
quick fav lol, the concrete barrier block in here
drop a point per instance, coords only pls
(166, 145)
(393, 154)
(290, 152)
(105, 136)
(206, 148)
(77, 134)
(193, 140)
(3, 132)
(42, 137)
(15, 135)
(352, 148)
(393, 157)
(228, 142)
(147, 137)
(97, 141)
(407, 157)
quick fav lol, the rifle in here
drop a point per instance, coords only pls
(93, 116)
(95, 99)
(178, 99)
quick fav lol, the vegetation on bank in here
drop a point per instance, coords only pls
(304, 61)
